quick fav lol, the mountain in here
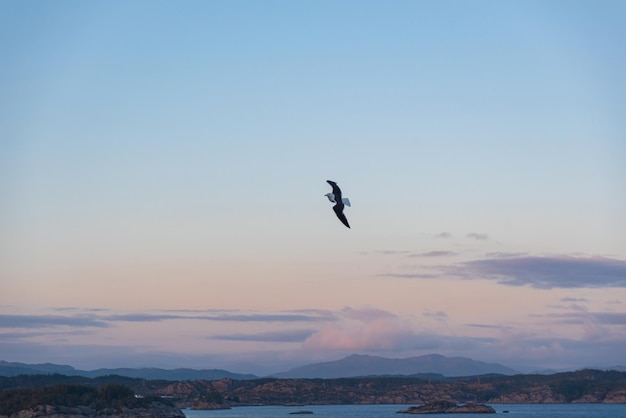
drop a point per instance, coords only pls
(14, 369)
(363, 365)
(175, 374)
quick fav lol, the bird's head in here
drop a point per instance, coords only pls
(330, 197)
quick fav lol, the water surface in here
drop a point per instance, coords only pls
(374, 411)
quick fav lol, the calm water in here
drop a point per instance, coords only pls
(374, 411)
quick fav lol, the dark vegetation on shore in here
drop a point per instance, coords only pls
(110, 397)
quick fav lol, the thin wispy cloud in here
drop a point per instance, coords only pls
(490, 326)
(504, 254)
(477, 236)
(574, 300)
(390, 252)
(289, 336)
(408, 275)
(77, 309)
(443, 235)
(441, 253)
(439, 315)
(104, 321)
(21, 336)
(264, 318)
(570, 307)
(605, 318)
(227, 316)
(43, 321)
(143, 317)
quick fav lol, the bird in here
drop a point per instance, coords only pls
(339, 202)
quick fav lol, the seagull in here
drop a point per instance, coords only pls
(336, 198)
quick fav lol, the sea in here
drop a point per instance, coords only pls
(375, 411)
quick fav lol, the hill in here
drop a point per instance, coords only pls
(364, 365)
(14, 369)
(589, 386)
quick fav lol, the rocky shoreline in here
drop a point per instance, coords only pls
(31, 396)
(56, 411)
(82, 401)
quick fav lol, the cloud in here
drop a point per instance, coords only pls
(388, 252)
(41, 321)
(289, 336)
(611, 318)
(477, 236)
(435, 254)
(20, 336)
(409, 275)
(572, 306)
(360, 329)
(504, 254)
(230, 316)
(439, 315)
(593, 326)
(377, 331)
(548, 272)
(489, 326)
(541, 272)
(105, 321)
(443, 235)
(142, 317)
(278, 317)
(365, 314)
(605, 318)
(75, 308)
(574, 300)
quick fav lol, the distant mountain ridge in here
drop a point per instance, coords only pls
(431, 366)
(14, 369)
(357, 365)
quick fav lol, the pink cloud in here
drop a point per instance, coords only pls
(593, 330)
(361, 329)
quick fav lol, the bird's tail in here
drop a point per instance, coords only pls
(346, 201)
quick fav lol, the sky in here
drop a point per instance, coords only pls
(163, 167)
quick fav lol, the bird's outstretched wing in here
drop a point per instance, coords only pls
(336, 190)
(338, 208)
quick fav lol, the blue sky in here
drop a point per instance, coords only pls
(160, 157)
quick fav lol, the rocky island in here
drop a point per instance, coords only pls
(445, 407)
